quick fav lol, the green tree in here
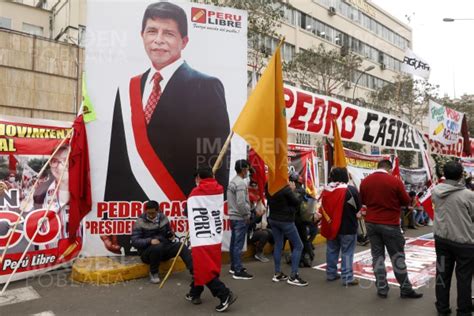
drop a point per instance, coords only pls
(408, 99)
(405, 97)
(322, 70)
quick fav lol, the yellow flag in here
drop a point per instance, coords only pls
(339, 156)
(262, 123)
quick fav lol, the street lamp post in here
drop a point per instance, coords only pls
(452, 20)
(371, 67)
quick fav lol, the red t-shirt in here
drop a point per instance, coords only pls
(384, 195)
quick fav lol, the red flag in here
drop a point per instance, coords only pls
(332, 206)
(396, 168)
(12, 162)
(259, 175)
(206, 205)
(80, 202)
(427, 203)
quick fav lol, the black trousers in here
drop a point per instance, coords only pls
(260, 238)
(302, 228)
(216, 286)
(155, 254)
(391, 237)
(452, 257)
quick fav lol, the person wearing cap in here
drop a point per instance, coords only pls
(239, 213)
(153, 237)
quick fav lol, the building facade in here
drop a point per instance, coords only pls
(356, 26)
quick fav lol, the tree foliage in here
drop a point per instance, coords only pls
(405, 97)
(408, 99)
(322, 70)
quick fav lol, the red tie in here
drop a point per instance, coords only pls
(154, 97)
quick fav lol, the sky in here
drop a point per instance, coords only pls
(448, 47)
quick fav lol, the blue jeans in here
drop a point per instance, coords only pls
(288, 230)
(344, 244)
(421, 216)
(239, 230)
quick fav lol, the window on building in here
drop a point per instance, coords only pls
(288, 52)
(32, 29)
(5, 22)
(289, 15)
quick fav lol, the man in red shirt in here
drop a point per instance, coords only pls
(384, 195)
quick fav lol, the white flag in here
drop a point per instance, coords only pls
(414, 65)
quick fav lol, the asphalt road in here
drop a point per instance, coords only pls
(58, 295)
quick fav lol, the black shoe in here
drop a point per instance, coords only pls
(229, 300)
(382, 295)
(280, 276)
(194, 300)
(412, 294)
(242, 275)
(296, 280)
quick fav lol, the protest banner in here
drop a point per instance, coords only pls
(420, 258)
(313, 113)
(303, 160)
(444, 124)
(361, 165)
(34, 185)
(159, 115)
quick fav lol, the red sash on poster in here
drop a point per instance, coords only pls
(153, 163)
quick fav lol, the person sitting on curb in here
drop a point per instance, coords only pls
(153, 238)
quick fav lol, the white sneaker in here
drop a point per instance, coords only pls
(154, 278)
(261, 257)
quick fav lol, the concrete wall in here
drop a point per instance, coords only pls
(39, 78)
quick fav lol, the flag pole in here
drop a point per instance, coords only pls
(30, 195)
(216, 166)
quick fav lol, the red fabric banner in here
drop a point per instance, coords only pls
(80, 200)
(332, 204)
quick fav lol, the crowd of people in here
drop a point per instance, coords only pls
(289, 215)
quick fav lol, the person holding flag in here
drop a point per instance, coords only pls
(205, 210)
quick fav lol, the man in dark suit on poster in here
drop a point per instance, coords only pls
(177, 115)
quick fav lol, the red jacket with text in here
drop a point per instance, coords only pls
(383, 195)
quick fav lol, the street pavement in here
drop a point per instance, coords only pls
(58, 295)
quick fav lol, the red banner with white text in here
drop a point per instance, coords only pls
(27, 195)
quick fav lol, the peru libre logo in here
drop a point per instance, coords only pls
(199, 15)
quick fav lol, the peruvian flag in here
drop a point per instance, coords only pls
(206, 226)
(332, 206)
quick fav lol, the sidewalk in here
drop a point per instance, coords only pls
(259, 296)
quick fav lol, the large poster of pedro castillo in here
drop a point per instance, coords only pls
(167, 81)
